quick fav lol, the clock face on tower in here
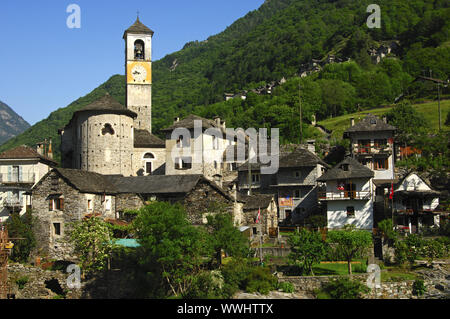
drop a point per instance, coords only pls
(139, 73)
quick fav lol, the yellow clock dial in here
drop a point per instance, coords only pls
(139, 73)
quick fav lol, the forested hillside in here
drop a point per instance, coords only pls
(276, 41)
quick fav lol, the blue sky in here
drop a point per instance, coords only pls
(45, 65)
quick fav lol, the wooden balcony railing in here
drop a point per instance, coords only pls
(362, 195)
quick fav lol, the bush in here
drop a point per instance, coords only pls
(22, 281)
(344, 288)
(21, 227)
(206, 285)
(234, 274)
(419, 287)
(286, 287)
(260, 280)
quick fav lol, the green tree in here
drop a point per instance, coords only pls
(350, 242)
(21, 227)
(179, 249)
(225, 236)
(307, 249)
(93, 243)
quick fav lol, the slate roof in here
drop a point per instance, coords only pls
(370, 123)
(25, 152)
(188, 123)
(355, 170)
(256, 201)
(107, 104)
(143, 138)
(291, 156)
(139, 28)
(86, 182)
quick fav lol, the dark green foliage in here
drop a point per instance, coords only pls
(386, 228)
(286, 287)
(419, 287)
(234, 273)
(260, 280)
(206, 285)
(225, 236)
(21, 227)
(22, 281)
(344, 288)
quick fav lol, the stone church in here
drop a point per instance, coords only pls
(106, 137)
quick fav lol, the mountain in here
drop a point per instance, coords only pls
(11, 124)
(278, 40)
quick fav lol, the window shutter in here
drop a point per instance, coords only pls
(386, 163)
(61, 204)
(20, 174)
(9, 173)
(50, 205)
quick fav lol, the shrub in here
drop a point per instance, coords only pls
(21, 227)
(344, 288)
(260, 280)
(286, 287)
(234, 274)
(206, 285)
(22, 281)
(419, 287)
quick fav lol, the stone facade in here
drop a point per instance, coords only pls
(53, 224)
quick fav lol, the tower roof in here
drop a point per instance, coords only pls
(107, 104)
(139, 28)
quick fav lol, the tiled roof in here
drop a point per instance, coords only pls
(188, 123)
(256, 201)
(25, 152)
(87, 182)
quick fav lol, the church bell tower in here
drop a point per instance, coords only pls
(138, 70)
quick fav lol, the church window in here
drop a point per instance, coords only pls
(139, 50)
(148, 159)
(107, 129)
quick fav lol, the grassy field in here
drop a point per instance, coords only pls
(428, 110)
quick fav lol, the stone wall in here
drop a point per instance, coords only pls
(388, 290)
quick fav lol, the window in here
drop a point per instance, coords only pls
(350, 211)
(344, 167)
(139, 50)
(107, 129)
(148, 167)
(381, 163)
(57, 229)
(90, 204)
(108, 203)
(148, 158)
(255, 178)
(181, 142)
(183, 163)
(363, 146)
(56, 203)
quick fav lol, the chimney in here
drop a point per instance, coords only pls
(50, 151)
(311, 146)
(384, 119)
(40, 148)
(352, 121)
(217, 120)
(176, 119)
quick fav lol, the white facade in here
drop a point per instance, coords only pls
(16, 177)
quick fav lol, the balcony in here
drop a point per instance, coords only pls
(12, 203)
(376, 149)
(24, 178)
(345, 195)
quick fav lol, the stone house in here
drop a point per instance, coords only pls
(20, 169)
(415, 204)
(64, 196)
(349, 195)
(196, 193)
(266, 205)
(294, 186)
